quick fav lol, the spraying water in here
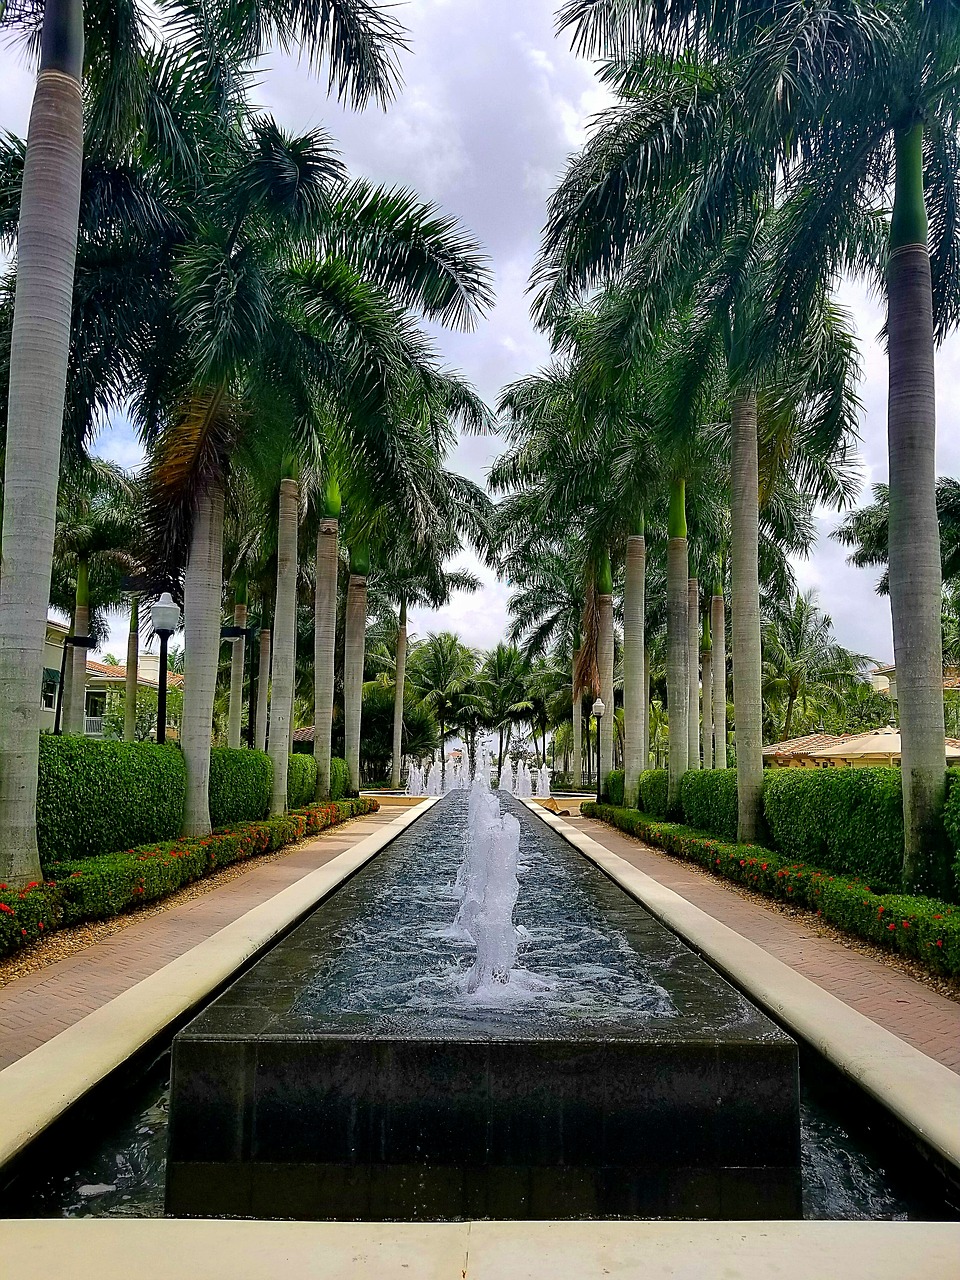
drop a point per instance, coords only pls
(506, 777)
(415, 781)
(543, 782)
(434, 780)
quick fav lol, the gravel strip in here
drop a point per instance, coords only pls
(67, 942)
(943, 984)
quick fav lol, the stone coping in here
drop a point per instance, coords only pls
(38, 1088)
(169, 1249)
(922, 1093)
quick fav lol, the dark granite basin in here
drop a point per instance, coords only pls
(346, 1076)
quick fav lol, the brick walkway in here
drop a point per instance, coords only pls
(36, 1007)
(909, 1009)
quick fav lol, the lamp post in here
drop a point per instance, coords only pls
(165, 616)
(598, 709)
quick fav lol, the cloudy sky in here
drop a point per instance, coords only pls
(492, 104)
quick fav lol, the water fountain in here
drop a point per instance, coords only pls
(543, 782)
(506, 777)
(434, 780)
(378, 1063)
(415, 781)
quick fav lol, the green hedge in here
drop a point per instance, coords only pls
(614, 787)
(101, 887)
(709, 800)
(94, 797)
(653, 792)
(338, 778)
(951, 821)
(925, 929)
(240, 783)
(850, 820)
(301, 780)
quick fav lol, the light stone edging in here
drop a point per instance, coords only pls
(922, 1093)
(171, 1248)
(39, 1087)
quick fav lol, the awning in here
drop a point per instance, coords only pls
(51, 675)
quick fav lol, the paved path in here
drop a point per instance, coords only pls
(35, 1008)
(909, 1009)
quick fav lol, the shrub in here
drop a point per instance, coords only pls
(301, 781)
(27, 914)
(338, 778)
(240, 783)
(709, 800)
(925, 929)
(850, 820)
(94, 797)
(653, 792)
(614, 787)
(951, 821)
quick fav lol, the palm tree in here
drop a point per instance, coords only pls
(804, 666)
(504, 671)
(359, 44)
(440, 673)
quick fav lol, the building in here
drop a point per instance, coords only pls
(850, 750)
(105, 681)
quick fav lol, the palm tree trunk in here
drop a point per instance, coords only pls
(706, 665)
(401, 667)
(645, 727)
(324, 648)
(39, 349)
(263, 689)
(284, 641)
(718, 623)
(693, 673)
(678, 683)
(605, 663)
(788, 719)
(914, 534)
(577, 730)
(133, 660)
(353, 652)
(237, 659)
(634, 708)
(745, 613)
(202, 589)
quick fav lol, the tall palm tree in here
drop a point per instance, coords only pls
(504, 670)
(359, 43)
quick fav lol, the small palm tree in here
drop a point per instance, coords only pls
(440, 672)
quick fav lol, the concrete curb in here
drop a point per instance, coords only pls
(38, 1088)
(168, 1249)
(920, 1092)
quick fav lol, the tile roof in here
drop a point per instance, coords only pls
(802, 746)
(119, 672)
(303, 735)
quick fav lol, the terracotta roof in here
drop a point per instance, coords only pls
(119, 672)
(303, 735)
(803, 746)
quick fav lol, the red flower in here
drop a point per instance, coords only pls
(23, 933)
(938, 917)
(4, 907)
(40, 923)
(939, 942)
(891, 926)
(880, 912)
(764, 865)
(906, 924)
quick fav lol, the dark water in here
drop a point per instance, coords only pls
(575, 945)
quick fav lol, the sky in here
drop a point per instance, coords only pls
(493, 103)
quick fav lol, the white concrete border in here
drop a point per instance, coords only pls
(922, 1093)
(38, 1088)
(170, 1249)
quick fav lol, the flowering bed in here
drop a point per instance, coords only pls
(923, 928)
(100, 887)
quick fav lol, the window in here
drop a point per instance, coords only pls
(48, 689)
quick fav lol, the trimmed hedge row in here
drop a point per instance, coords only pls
(709, 800)
(100, 887)
(338, 778)
(923, 928)
(654, 785)
(301, 780)
(240, 784)
(614, 787)
(850, 820)
(96, 796)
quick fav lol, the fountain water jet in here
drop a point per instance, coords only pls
(506, 777)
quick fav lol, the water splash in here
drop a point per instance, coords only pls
(416, 786)
(506, 777)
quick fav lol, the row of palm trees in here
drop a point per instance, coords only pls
(685, 279)
(258, 316)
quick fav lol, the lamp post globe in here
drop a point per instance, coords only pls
(165, 618)
(598, 710)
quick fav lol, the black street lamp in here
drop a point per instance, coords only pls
(74, 642)
(598, 710)
(165, 616)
